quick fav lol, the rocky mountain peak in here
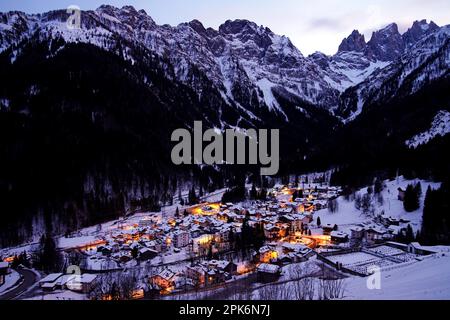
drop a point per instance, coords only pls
(418, 30)
(386, 44)
(354, 42)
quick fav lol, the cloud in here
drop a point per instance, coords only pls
(327, 23)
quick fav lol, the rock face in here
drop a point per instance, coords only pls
(386, 44)
(355, 42)
(418, 30)
(427, 61)
(243, 61)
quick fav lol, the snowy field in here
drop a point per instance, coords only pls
(353, 259)
(425, 280)
(348, 216)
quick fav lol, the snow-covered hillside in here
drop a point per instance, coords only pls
(348, 216)
(440, 126)
(244, 61)
(424, 280)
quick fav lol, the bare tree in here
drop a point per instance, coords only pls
(333, 205)
(303, 288)
(269, 292)
(330, 289)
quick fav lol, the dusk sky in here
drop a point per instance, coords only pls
(317, 25)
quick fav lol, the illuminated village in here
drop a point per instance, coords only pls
(213, 245)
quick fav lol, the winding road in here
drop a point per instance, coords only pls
(29, 278)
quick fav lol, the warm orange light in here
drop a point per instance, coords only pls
(138, 294)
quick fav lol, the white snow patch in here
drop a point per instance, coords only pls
(440, 126)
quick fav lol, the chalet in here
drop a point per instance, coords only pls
(223, 265)
(357, 233)
(266, 254)
(389, 221)
(268, 272)
(165, 280)
(217, 276)
(286, 259)
(197, 274)
(271, 231)
(338, 237)
(374, 235)
(147, 254)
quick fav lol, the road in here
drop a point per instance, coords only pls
(29, 278)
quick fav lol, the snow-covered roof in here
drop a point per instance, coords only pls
(87, 278)
(268, 268)
(51, 277)
(338, 234)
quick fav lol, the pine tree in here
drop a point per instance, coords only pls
(319, 223)
(253, 194)
(411, 200)
(409, 234)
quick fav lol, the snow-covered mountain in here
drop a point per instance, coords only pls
(440, 126)
(248, 64)
(426, 61)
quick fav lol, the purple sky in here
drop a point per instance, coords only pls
(312, 25)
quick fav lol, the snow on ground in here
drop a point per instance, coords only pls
(425, 280)
(11, 280)
(60, 295)
(440, 126)
(354, 258)
(91, 234)
(348, 216)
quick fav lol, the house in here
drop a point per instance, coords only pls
(223, 265)
(268, 272)
(357, 233)
(181, 239)
(374, 235)
(49, 282)
(147, 254)
(215, 276)
(85, 283)
(271, 231)
(164, 280)
(197, 274)
(266, 254)
(339, 237)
